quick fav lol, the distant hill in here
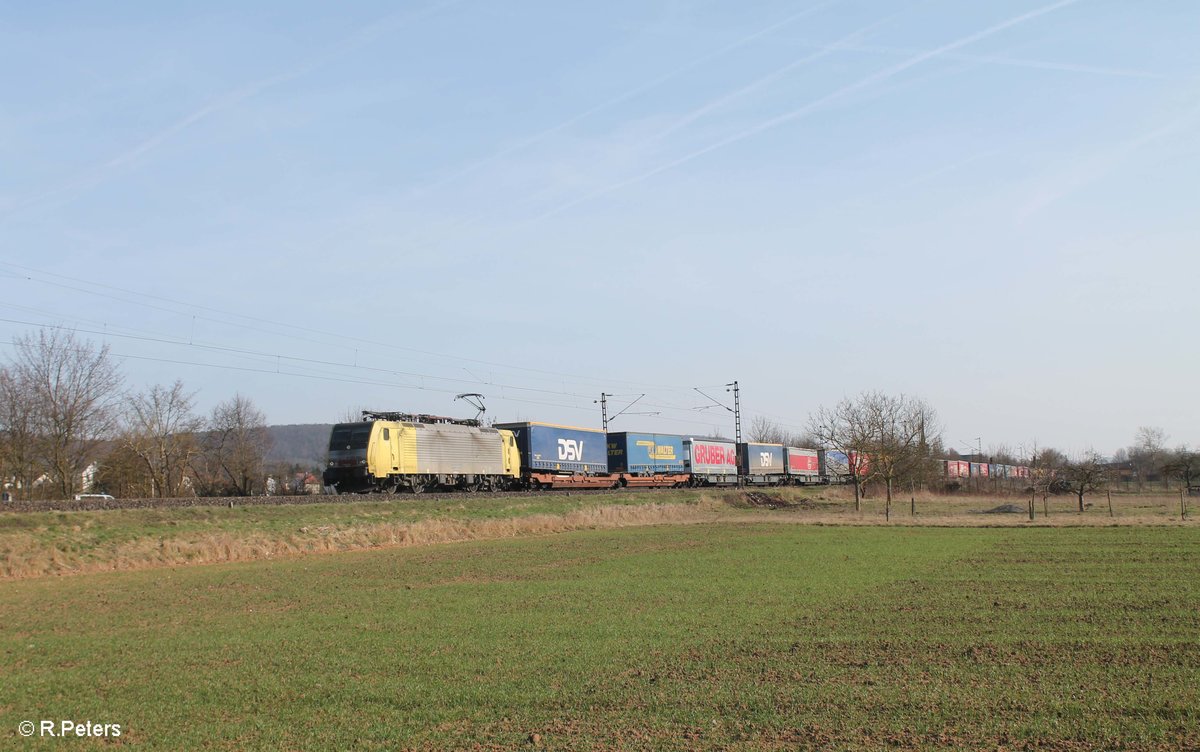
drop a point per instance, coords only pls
(302, 444)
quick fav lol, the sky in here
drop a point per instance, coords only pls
(330, 207)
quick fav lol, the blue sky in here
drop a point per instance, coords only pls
(990, 205)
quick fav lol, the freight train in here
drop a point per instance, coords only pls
(400, 452)
(961, 470)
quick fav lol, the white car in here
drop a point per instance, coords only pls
(101, 497)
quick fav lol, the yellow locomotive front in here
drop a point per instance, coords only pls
(396, 452)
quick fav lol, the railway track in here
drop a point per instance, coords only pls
(70, 505)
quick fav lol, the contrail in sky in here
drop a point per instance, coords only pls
(771, 77)
(96, 175)
(630, 94)
(815, 104)
(999, 60)
(1098, 165)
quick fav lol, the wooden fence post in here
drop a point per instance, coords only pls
(1110, 509)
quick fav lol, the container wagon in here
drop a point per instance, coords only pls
(803, 466)
(555, 456)
(956, 469)
(762, 464)
(646, 459)
(710, 462)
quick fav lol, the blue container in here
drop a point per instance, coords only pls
(644, 453)
(560, 449)
(761, 459)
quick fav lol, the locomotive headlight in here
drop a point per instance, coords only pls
(362, 462)
(331, 463)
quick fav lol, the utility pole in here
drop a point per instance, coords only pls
(737, 410)
(603, 410)
(737, 423)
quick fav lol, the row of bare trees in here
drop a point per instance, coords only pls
(1090, 472)
(1149, 461)
(895, 439)
(67, 424)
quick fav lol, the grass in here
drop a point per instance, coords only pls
(716, 636)
(53, 543)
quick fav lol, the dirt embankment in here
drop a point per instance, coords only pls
(23, 555)
(87, 505)
(766, 500)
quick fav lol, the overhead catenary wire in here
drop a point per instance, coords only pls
(364, 382)
(107, 331)
(268, 369)
(339, 338)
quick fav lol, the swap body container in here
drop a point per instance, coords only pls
(835, 465)
(645, 453)
(762, 464)
(545, 447)
(711, 461)
(803, 465)
(979, 470)
(957, 469)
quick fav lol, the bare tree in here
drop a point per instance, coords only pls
(900, 433)
(1086, 474)
(123, 474)
(1003, 454)
(1184, 464)
(845, 428)
(767, 431)
(73, 390)
(1148, 452)
(1045, 466)
(161, 432)
(352, 414)
(236, 444)
(19, 437)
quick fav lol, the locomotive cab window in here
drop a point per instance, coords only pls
(352, 436)
(387, 436)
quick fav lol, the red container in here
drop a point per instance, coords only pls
(802, 461)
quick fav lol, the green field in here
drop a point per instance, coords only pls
(729, 635)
